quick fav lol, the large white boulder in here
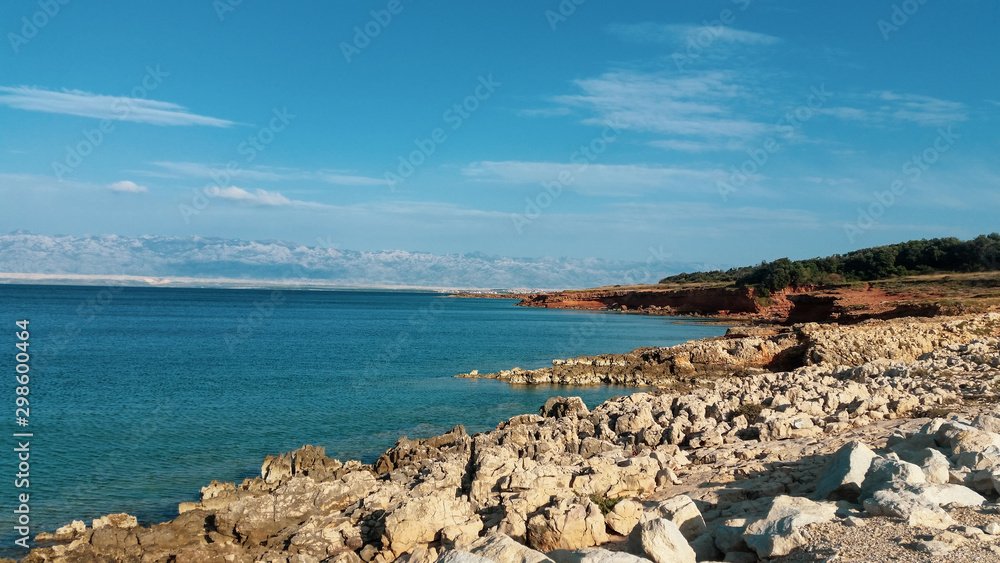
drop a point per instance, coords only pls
(781, 530)
(594, 555)
(843, 477)
(502, 549)
(683, 512)
(661, 540)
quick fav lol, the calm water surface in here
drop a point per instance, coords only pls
(141, 396)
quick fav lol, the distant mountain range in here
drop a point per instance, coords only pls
(198, 257)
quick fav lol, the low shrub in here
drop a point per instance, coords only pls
(604, 503)
(750, 410)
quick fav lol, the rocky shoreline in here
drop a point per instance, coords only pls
(873, 442)
(758, 349)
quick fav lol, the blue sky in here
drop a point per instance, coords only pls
(724, 132)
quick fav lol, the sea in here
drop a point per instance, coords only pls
(139, 396)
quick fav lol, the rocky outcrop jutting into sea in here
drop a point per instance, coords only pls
(757, 349)
(888, 427)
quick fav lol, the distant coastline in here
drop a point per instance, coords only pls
(235, 283)
(492, 295)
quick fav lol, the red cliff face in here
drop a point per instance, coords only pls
(702, 301)
(792, 305)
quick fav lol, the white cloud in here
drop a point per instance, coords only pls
(848, 114)
(260, 197)
(925, 110)
(652, 32)
(879, 108)
(98, 106)
(696, 212)
(696, 105)
(341, 179)
(423, 211)
(679, 145)
(127, 187)
(597, 179)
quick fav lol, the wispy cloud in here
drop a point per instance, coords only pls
(883, 107)
(266, 199)
(924, 110)
(421, 211)
(98, 106)
(341, 179)
(653, 32)
(709, 213)
(127, 187)
(597, 179)
(849, 114)
(268, 174)
(262, 198)
(700, 105)
(679, 145)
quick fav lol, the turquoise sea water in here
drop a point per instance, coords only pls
(141, 396)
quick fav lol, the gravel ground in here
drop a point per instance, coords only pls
(880, 539)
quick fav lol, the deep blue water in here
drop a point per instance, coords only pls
(141, 396)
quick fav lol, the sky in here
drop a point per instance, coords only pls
(724, 132)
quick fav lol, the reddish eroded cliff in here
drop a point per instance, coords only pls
(841, 303)
(700, 301)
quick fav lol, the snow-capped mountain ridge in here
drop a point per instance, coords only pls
(203, 257)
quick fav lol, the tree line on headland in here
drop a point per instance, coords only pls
(915, 257)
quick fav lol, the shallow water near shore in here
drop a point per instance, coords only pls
(141, 396)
